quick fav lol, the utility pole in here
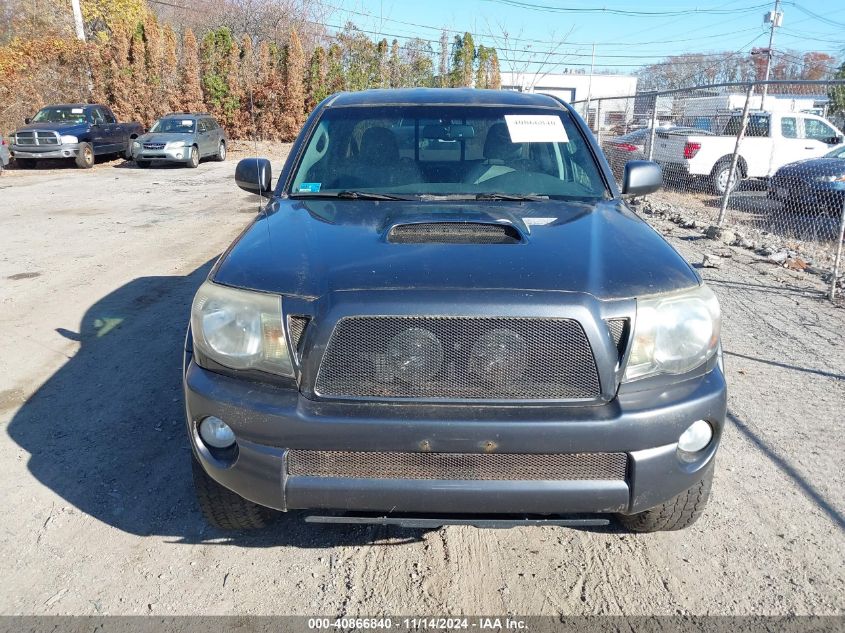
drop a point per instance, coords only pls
(77, 19)
(775, 19)
(590, 86)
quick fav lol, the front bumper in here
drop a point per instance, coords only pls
(174, 155)
(807, 195)
(61, 151)
(269, 420)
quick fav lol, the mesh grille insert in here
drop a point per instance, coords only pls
(454, 233)
(296, 327)
(465, 466)
(442, 358)
(619, 332)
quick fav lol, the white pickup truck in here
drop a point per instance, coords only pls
(772, 139)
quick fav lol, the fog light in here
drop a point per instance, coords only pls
(216, 433)
(179, 155)
(696, 437)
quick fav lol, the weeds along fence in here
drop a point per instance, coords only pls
(759, 165)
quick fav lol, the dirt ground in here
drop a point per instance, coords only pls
(97, 270)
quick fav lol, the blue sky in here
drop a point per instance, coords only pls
(623, 42)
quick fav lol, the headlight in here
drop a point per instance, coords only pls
(67, 138)
(674, 333)
(136, 145)
(175, 144)
(240, 329)
(840, 178)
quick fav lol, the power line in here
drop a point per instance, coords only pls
(821, 18)
(536, 41)
(626, 12)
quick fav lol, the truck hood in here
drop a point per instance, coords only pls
(61, 128)
(309, 248)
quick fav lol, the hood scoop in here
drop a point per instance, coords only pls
(454, 233)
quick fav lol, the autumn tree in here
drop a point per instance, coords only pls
(495, 81)
(171, 89)
(317, 89)
(139, 91)
(463, 60)
(191, 86)
(394, 67)
(334, 73)
(837, 93)
(417, 61)
(120, 76)
(294, 99)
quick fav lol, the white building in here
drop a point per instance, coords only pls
(578, 89)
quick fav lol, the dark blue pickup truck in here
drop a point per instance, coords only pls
(78, 131)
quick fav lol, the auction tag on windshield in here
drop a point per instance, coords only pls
(187, 122)
(76, 110)
(536, 128)
(309, 187)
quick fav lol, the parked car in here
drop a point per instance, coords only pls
(79, 131)
(812, 185)
(181, 138)
(5, 157)
(635, 145)
(772, 140)
(491, 334)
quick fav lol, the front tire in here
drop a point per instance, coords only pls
(85, 157)
(676, 514)
(224, 509)
(194, 159)
(143, 164)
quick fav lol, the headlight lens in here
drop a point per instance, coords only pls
(240, 329)
(674, 333)
(67, 138)
(174, 144)
(839, 178)
(136, 145)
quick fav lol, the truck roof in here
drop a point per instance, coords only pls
(442, 96)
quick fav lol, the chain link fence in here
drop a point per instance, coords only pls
(760, 168)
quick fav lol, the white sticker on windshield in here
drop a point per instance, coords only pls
(76, 110)
(536, 128)
(187, 122)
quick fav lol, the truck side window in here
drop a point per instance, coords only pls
(817, 130)
(789, 127)
(107, 116)
(97, 116)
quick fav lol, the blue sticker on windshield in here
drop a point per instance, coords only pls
(310, 187)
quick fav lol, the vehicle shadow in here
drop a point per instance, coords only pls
(106, 431)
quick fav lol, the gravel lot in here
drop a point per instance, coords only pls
(97, 272)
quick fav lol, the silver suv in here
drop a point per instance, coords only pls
(181, 138)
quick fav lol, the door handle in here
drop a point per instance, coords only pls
(809, 148)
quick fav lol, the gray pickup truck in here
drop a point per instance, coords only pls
(78, 131)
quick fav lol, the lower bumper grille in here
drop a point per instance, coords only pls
(458, 358)
(459, 466)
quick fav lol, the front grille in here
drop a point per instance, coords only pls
(454, 233)
(154, 146)
(36, 138)
(458, 466)
(455, 358)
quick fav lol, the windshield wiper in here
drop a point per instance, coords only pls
(347, 194)
(510, 196)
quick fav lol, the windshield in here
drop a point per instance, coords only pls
(60, 114)
(185, 126)
(839, 152)
(454, 151)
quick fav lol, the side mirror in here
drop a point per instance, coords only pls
(254, 175)
(836, 140)
(27, 120)
(641, 177)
